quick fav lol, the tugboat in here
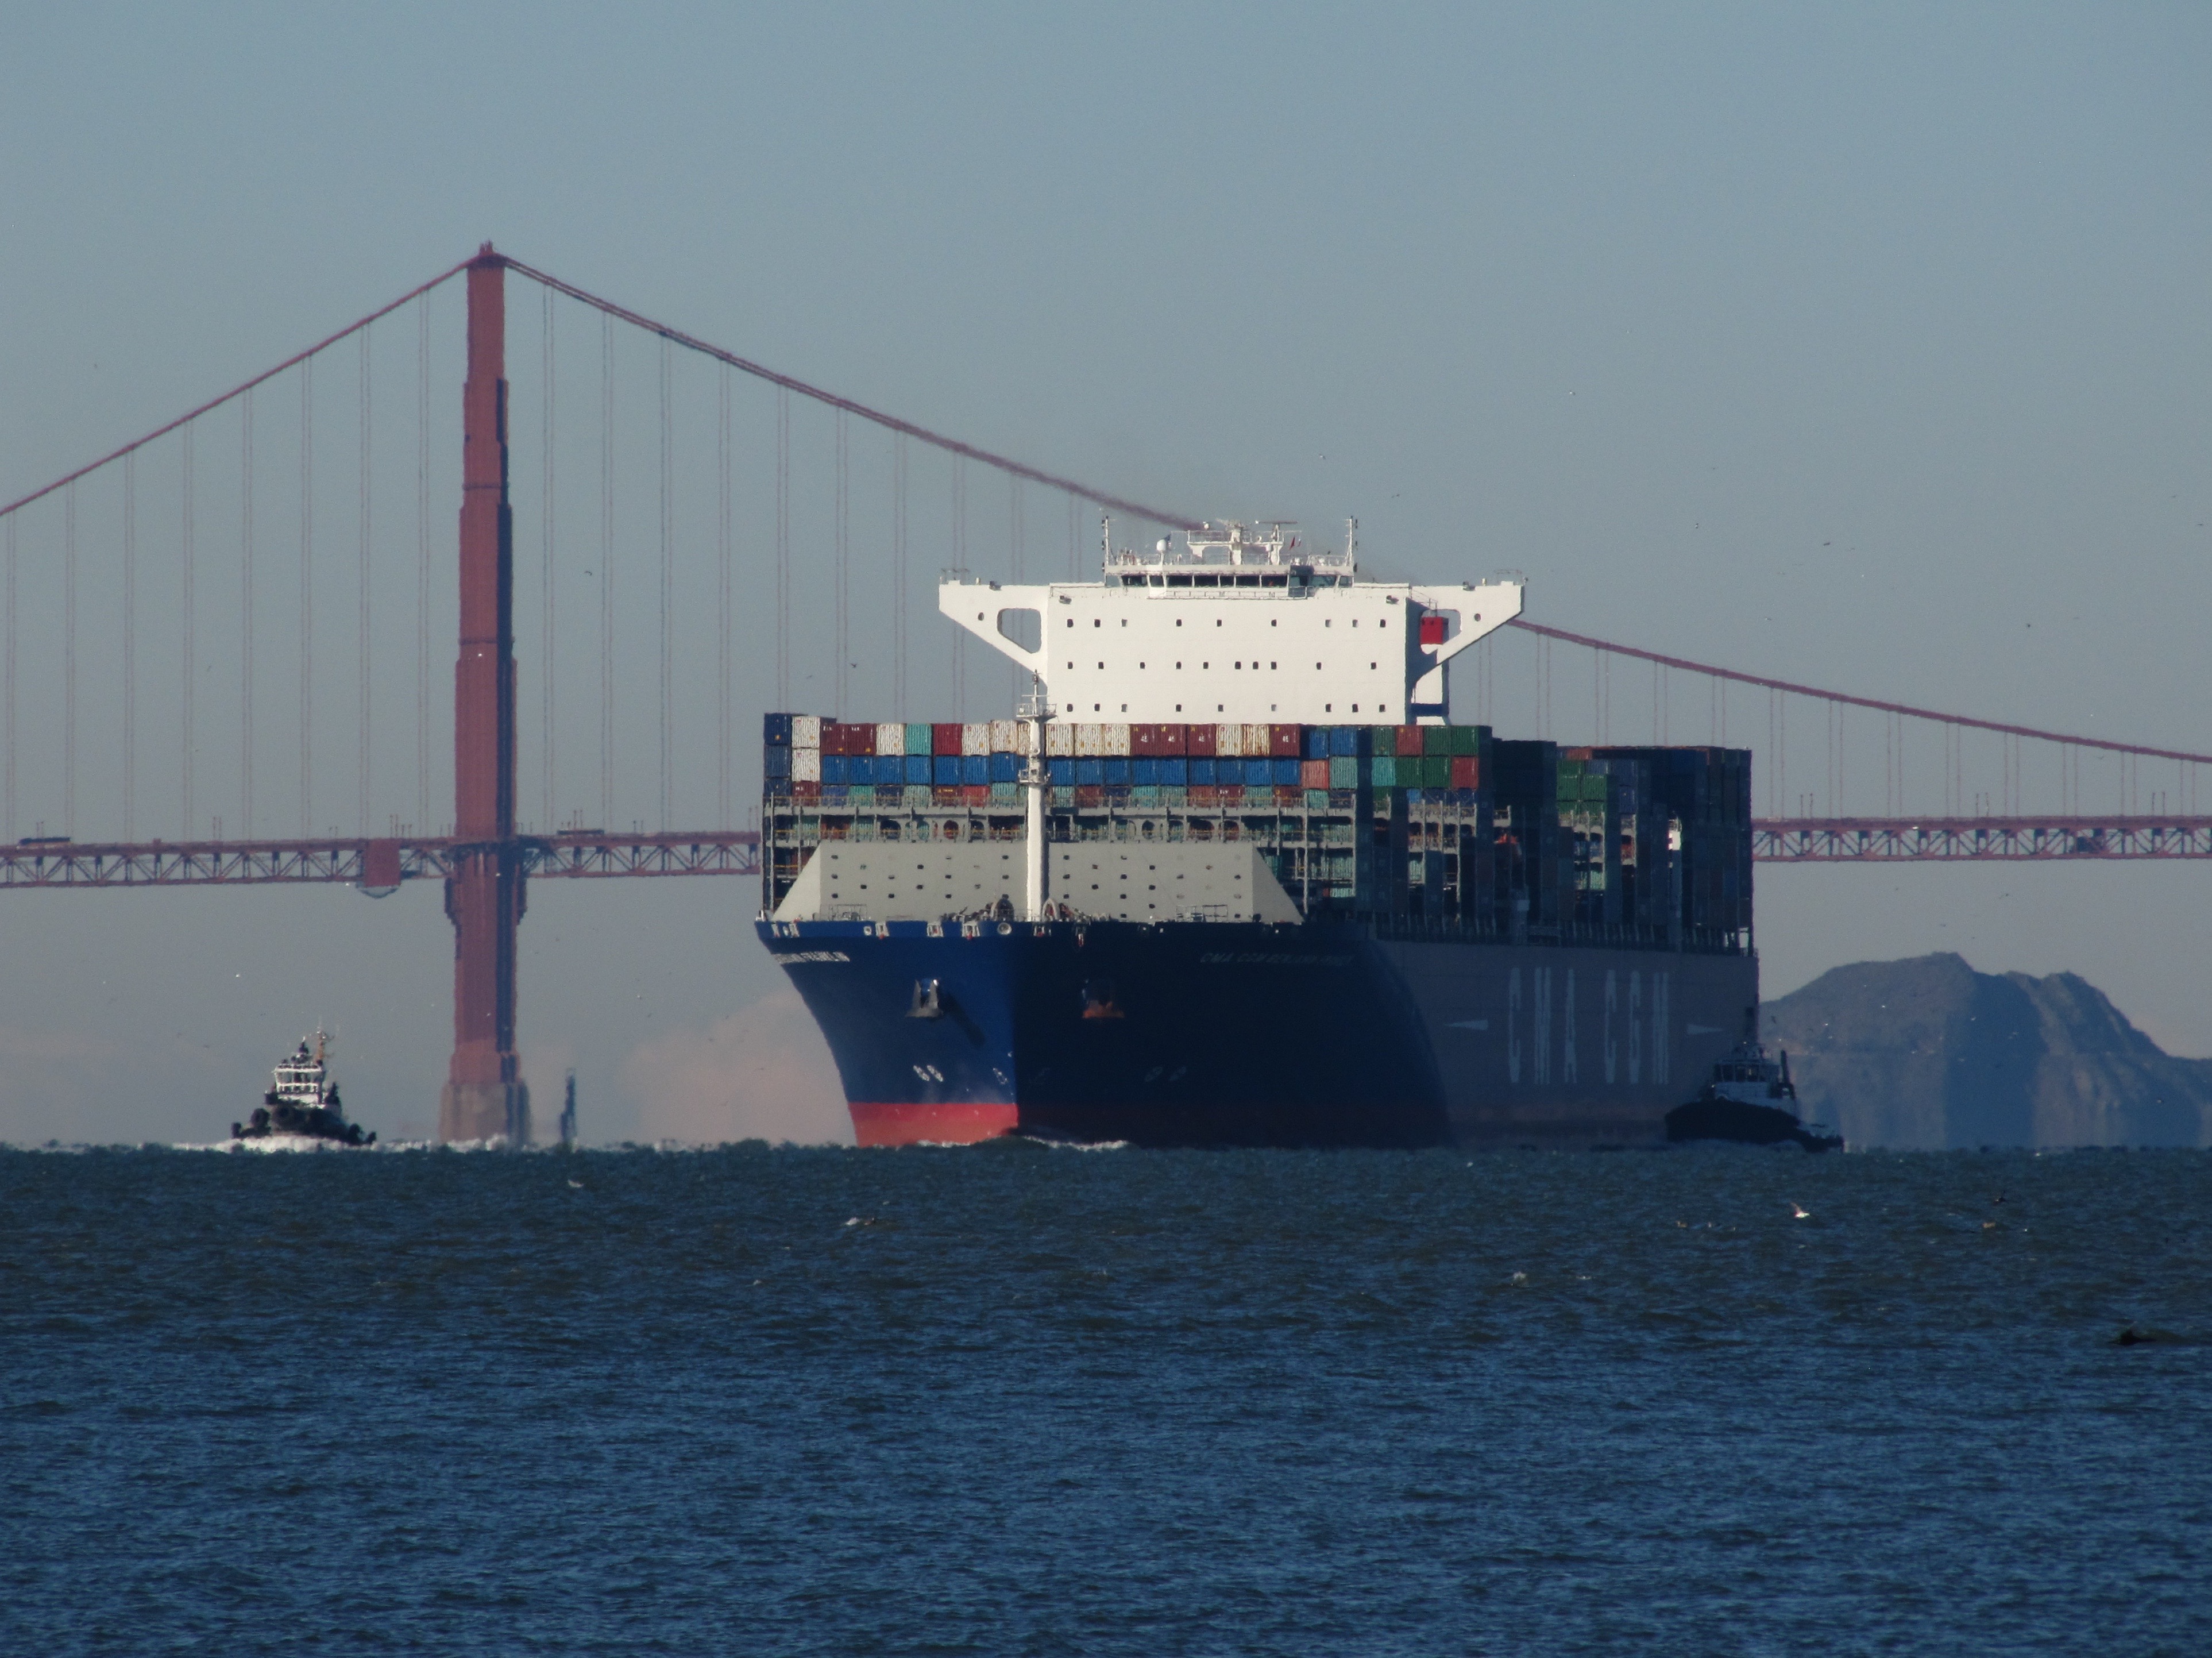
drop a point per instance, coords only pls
(304, 1102)
(1748, 1100)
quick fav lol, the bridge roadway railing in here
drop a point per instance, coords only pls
(1989, 839)
(373, 863)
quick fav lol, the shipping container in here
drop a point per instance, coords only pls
(1383, 771)
(1198, 739)
(1089, 739)
(1343, 772)
(1409, 740)
(917, 771)
(891, 739)
(1259, 740)
(1005, 768)
(1203, 793)
(975, 737)
(1168, 740)
(1144, 771)
(1466, 771)
(1286, 742)
(836, 769)
(776, 730)
(974, 793)
(945, 738)
(806, 765)
(806, 792)
(1006, 736)
(1204, 771)
(806, 731)
(1347, 742)
(1316, 744)
(1228, 741)
(1284, 772)
(1314, 774)
(1115, 739)
(917, 738)
(775, 763)
(1058, 740)
(1174, 771)
(1005, 794)
(975, 770)
(1089, 772)
(1116, 768)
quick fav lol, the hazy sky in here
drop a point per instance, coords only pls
(1867, 346)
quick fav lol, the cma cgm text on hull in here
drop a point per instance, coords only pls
(1230, 876)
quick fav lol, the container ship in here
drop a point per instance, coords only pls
(1231, 875)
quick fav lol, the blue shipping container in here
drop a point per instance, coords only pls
(1346, 741)
(1202, 771)
(975, 769)
(776, 730)
(1283, 771)
(1260, 773)
(1174, 774)
(1144, 773)
(776, 763)
(1316, 742)
(836, 769)
(1060, 772)
(945, 771)
(1117, 772)
(1089, 772)
(917, 771)
(1005, 768)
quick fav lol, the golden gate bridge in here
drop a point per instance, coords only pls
(140, 600)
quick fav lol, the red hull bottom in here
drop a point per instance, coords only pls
(949, 1122)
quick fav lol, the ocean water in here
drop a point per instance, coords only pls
(1020, 1399)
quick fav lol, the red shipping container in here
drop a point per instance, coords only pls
(1313, 774)
(1286, 742)
(944, 740)
(1170, 739)
(1088, 794)
(806, 791)
(1203, 793)
(1409, 740)
(1198, 739)
(1290, 794)
(974, 793)
(833, 737)
(1466, 771)
(1232, 794)
(1140, 739)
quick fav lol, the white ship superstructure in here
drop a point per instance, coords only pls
(1235, 624)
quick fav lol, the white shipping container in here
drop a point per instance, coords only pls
(806, 765)
(1006, 736)
(1117, 739)
(1058, 740)
(806, 731)
(1257, 745)
(975, 737)
(1229, 740)
(1089, 739)
(891, 738)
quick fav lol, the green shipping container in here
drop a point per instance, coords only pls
(1005, 794)
(918, 794)
(1385, 774)
(1343, 772)
(1436, 769)
(917, 739)
(1466, 739)
(1316, 800)
(1436, 740)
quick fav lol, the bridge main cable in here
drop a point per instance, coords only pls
(1905, 709)
(876, 416)
(239, 390)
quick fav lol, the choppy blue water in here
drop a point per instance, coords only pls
(1015, 1400)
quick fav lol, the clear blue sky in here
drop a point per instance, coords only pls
(1867, 346)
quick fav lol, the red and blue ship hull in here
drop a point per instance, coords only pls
(1211, 1033)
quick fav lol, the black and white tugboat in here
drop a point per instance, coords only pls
(1750, 1100)
(305, 1101)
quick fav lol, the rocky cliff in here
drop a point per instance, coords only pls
(1927, 1052)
